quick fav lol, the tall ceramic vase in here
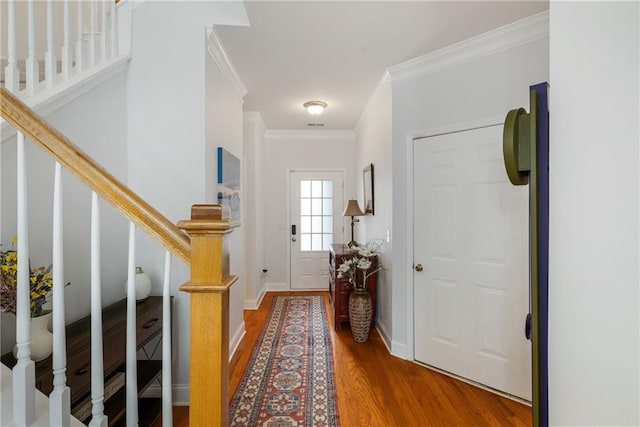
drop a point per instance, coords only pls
(360, 311)
(41, 338)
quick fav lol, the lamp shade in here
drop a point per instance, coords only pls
(352, 209)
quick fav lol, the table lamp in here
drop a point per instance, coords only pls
(352, 210)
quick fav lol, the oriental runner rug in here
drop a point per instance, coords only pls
(289, 381)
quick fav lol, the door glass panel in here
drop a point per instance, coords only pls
(327, 224)
(316, 224)
(305, 188)
(327, 206)
(327, 189)
(305, 224)
(305, 206)
(316, 206)
(316, 215)
(316, 188)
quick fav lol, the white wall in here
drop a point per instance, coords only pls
(453, 92)
(102, 111)
(223, 112)
(166, 97)
(298, 150)
(593, 277)
(170, 159)
(253, 203)
(373, 145)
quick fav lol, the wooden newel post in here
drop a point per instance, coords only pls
(209, 289)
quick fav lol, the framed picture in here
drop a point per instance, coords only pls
(367, 179)
(229, 183)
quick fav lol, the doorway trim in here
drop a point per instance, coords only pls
(407, 351)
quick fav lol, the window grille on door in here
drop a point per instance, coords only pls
(316, 215)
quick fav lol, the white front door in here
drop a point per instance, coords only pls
(316, 200)
(471, 238)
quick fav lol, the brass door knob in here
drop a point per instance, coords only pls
(418, 267)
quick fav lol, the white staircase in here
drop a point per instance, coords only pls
(83, 41)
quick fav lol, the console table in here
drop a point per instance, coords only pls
(340, 288)
(114, 317)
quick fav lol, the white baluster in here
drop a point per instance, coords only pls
(50, 56)
(33, 70)
(66, 43)
(132, 368)
(103, 30)
(79, 40)
(112, 32)
(93, 12)
(11, 73)
(60, 397)
(24, 377)
(98, 418)
(167, 401)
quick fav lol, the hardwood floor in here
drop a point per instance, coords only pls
(376, 389)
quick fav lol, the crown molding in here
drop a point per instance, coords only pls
(526, 30)
(309, 134)
(221, 57)
(374, 99)
(255, 118)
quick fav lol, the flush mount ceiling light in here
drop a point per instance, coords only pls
(315, 107)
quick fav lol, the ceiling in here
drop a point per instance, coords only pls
(337, 51)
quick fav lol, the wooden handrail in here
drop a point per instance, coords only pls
(94, 176)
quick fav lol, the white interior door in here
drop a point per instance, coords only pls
(316, 200)
(471, 238)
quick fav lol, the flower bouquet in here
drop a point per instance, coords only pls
(359, 265)
(40, 281)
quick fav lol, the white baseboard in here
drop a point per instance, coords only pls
(284, 287)
(180, 394)
(263, 292)
(253, 304)
(235, 340)
(386, 338)
(277, 286)
(400, 350)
